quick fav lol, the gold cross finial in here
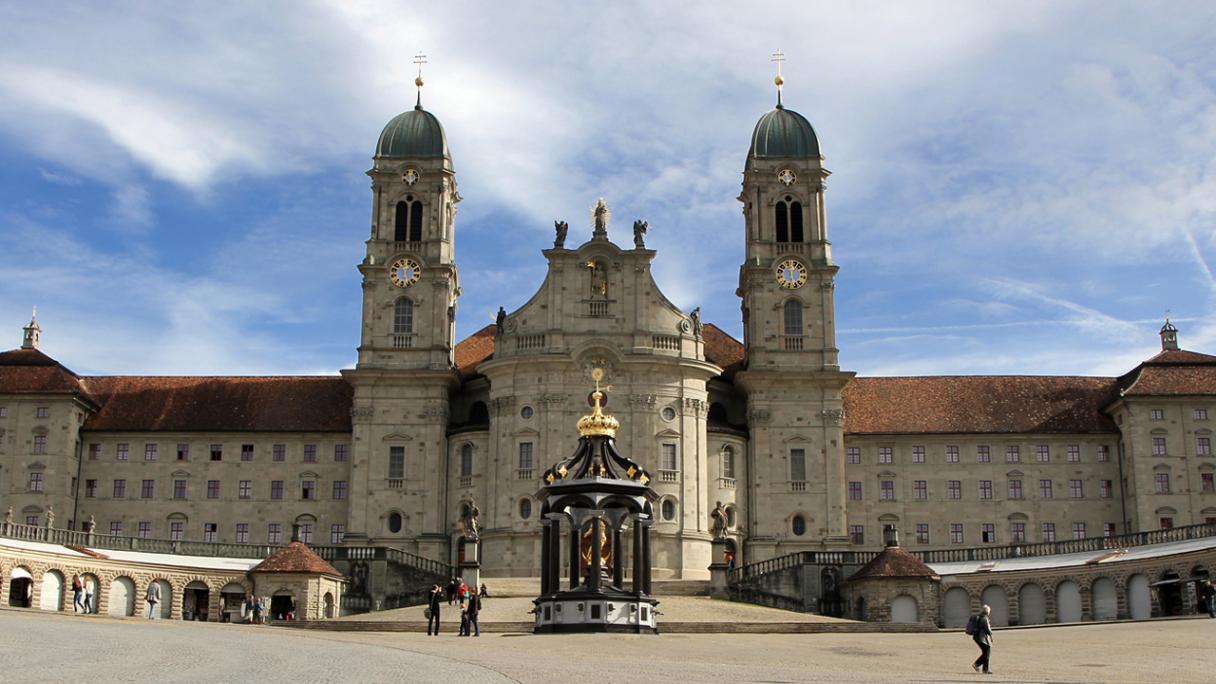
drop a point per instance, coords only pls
(597, 374)
(778, 57)
(419, 59)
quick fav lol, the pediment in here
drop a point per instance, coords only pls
(36, 465)
(666, 432)
(886, 473)
(1014, 473)
(397, 437)
(526, 432)
(180, 473)
(309, 475)
(796, 438)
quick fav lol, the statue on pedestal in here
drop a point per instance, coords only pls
(90, 525)
(50, 517)
(718, 519)
(561, 227)
(639, 234)
(469, 522)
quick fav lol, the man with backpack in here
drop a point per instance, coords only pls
(979, 627)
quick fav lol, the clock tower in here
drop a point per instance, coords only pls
(405, 374)
(792, 379)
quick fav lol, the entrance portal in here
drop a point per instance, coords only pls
(21, 588)
(282, 606)
(195, 599)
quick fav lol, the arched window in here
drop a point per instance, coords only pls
(798, 525)
(403, 316)
(669, 510)
(793, 317)
(525, 509)
(466, 460)
(789, 220)
(407, 222)
(394, 522)
(796, 222)
(783, 222)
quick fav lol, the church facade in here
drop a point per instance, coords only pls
(800, 454)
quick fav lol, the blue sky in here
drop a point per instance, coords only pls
(1017, 187)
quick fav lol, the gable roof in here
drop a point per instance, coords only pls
(721, 349)
(29, 371)
(893, 562)
(474, 349)
(296, 557)
(1171, 372)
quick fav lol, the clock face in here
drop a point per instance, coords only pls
(791, 274)
(404, 272)
(410, 176)
(787, 176)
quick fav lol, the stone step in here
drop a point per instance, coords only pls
(664, 627)
(510, 587)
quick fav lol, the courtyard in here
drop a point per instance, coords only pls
(41, 647)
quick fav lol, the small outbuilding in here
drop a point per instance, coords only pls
(894, 587)
(301, 585)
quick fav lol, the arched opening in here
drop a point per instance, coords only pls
(1032, 605)
(196, 598)
(122, 597)
(283, 605)
(407, 222)
(232, 602)
(416, 222)
(525, 509)
(90, 583)
(796, 222)
(669, 510)
(466, 460)
(830, 602)
(307, 524)
(1068, 602)
(904, 610)
(21, 588)
(1169, 593)
(798, 525)
(783, 222)
(403, 316)
(1139, 598)
(956, 608)
(792, 317)
(732, 517)
(328, 602)
(394, 522)
(859, 609)
(994, 596)
(1105, 599)
(165, 608)
(479, 414)
(52, 591)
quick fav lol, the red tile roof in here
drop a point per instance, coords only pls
(893, 562)
(721, 349)
(29, 371)
(221, 404)
(474, 349)
(1174, 371)
(296, 557)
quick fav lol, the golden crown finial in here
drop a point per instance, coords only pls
(598, 423)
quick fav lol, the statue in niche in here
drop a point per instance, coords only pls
(717, 518)
(599, 278)
(639, 234)
(601, 215)
(562, 228)
(500, 320)
(468, 521)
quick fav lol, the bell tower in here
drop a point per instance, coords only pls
(792, 379)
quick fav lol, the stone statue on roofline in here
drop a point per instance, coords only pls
(561, 227)
(639, 234)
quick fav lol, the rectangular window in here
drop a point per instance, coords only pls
(1162, 483)
(209, 532)
(857, 534)
(1167, 523)
(120, 489)
(115, 528)
(728, 463)
(886, 490)
(341, 452)
(150, 451)
(987, 533)
(213, 489)
(310, 453)
(176, 530)
(308, 489)
(922, 533)
(1074, 489)
(42, 412)
(1206, 483)
(669, 457)
(798, 465)
(1203, 446)
(39, 444)
(94, 452)
(3, 412)
(1015, 489)
(396, 462)
(278, 452)
(525, 455)
(1013, 454)
(951, 454)
(306, 533)
(90, 489)
(1103, 453)
(336, 533)
(956, 533)
(1104, 489)
(35, 482)
(852, 455)
(1109, 530)
(179, 489)
(854, 491)
(985, 489)
(244, 489)
(246, 452)
(886, 454)
(1158, 446)
(242, 533)
(1017, 532)
(1156, 414)
(145, 530)
(276, 490)
(274, 533)
(920, 490)
(1042, 453)
(1078, 530)
(183, 452)
(1199, 414)
(1074, 453)
(146, 490)
(983, 454)
(1045, 489)
(339, 490)
(954, 489)
(918, 454)
(217, 452)
(1049, 532)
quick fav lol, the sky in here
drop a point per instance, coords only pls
(1017, 187)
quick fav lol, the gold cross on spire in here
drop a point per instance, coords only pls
(419, 59)
(778, 57)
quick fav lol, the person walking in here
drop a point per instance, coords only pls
(432, 609)
(983, 639)
(473, 610)
(153, 598)
(89, 588)
(77, 595)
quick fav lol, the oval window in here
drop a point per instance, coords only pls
(526, 412)
(669, 510)
(394, 523)
(799, 525)
(525, 509)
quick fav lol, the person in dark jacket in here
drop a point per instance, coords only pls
(436, 600)
(473, 609)
(983, 639)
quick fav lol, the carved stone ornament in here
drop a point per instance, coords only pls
(695, 407)
(643, 400)
(500, 406)
(553, 398)
(833, 416)
(362, 413)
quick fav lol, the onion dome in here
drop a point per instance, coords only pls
(783, 133)
(415, 134)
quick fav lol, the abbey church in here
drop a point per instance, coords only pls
(800, 454)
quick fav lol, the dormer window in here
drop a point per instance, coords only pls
(789, 220)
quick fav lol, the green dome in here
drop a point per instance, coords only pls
(415, 134)
(783, 133)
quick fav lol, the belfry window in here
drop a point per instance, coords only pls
(789, 220)
(408, 221)
(793, 317)
(403, 316)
